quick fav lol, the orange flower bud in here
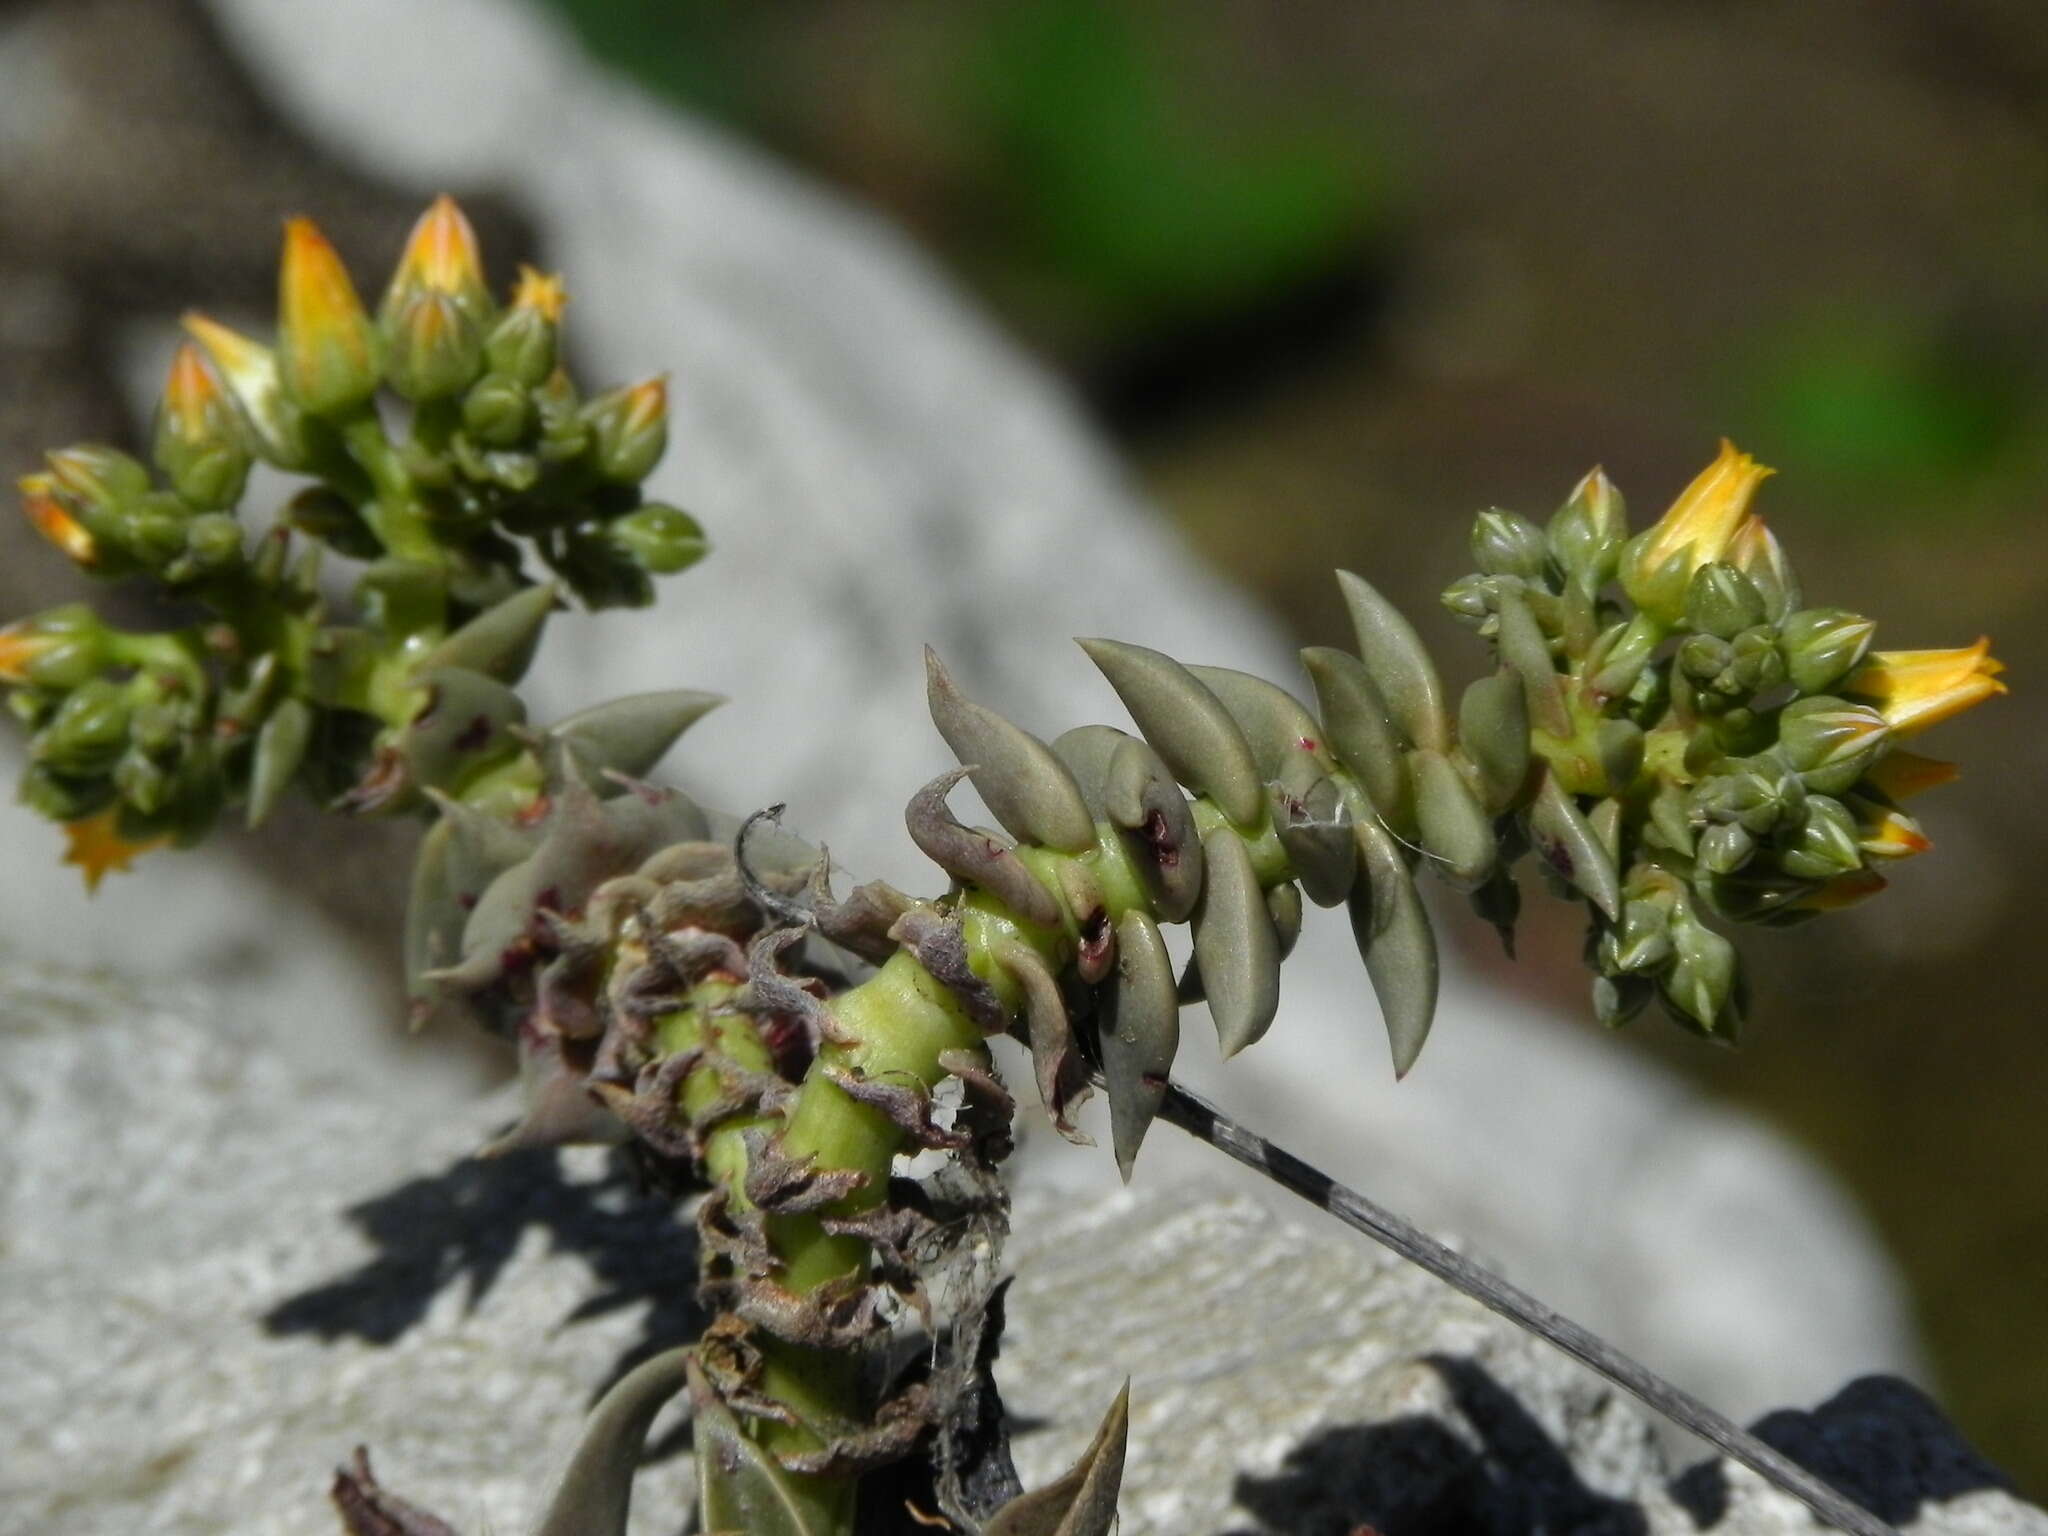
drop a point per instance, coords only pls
(40, 505)
(251, 374)
(199, 441)
(19, 647)
(1884, 833)
(193, 398)
(327, 350)
(440, 256)
(629, 430)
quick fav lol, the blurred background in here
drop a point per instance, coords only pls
(1333, 277)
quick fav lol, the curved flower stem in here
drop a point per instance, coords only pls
(1205, 1122)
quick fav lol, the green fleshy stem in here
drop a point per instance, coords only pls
(894, 1027)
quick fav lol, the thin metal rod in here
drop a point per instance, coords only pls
(1205, 1122)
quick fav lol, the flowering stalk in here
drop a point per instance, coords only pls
(143, 739)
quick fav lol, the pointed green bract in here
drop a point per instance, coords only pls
(630, 735)
(595, 1494)
(1451, 824)
(1082, 1502)
(1493, 734)
(1398, 664)
(1396, 942)
(1021, 780)
(1139, 1034)
(1361, 730)
(1185, 723)
(1235, 945)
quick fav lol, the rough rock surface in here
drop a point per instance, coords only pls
(217, 1275)
(878, 469)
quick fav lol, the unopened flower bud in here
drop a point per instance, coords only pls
(1470, 599)
(141, 781)
(1885, 831)
(1642, 940)
(1822, 645)
(89, 731)
(62, 797)
(1722, 601)
(1704, 657)
(200, 443)
(1755, 552)
(1657, 565)
(213, 542)
(1620, 654)
(98, 478)
(326, 346)
(628, 430)
(1825, 844)
(660, 539)
(250, 372)
(432, 347)
(1617, 999)
(522, 344)
(1702, 980)
(1830, 741)
(1504, 544)
(1586, 533)
(1754, 663)
(1725, 848)
(62, 648)
(50, 517)
(497, 411)
(440, 256)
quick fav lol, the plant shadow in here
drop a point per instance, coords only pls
(1879, 1440)
(462, 1226)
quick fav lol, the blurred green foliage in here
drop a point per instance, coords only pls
(1104, 171)
(1875, 396)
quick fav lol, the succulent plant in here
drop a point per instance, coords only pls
(1672, 734)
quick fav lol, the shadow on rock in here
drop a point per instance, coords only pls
(1420, 1476)
(1880, 1440)
(464, 1224)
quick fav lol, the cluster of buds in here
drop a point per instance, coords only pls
(142, 738)
(1714, 748)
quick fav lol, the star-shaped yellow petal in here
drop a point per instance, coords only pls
(95, 845)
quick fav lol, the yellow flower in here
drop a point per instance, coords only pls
(1916, 689)
(1845, 890)
(541, 292)
(1902, 775)
(1708, 520)
(39, 504)
(96, 846)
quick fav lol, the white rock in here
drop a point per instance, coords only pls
(170, 1186)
